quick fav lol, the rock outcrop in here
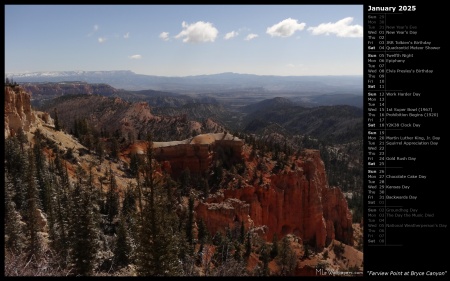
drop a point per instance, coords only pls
(18, 113)
(197, 153)
(298, 202)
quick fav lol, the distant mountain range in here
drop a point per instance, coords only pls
(203, 84)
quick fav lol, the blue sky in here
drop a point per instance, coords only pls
(183, 40)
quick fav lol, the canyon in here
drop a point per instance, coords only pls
(295, 200)
(298, 202)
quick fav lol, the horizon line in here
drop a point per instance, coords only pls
(175, 76)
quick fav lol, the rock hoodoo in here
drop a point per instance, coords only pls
(18, 113)
(298, 202)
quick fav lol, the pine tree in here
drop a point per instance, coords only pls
(306, 252)
(122, 249)
(56, 121)
(218, 238)
(190, 221)
(112, 199)
(218, 174)
(199, 255)
(134, 164)
(223, 249)
(22, 137)
(237, 252)
(274, 249)
(99, 148)
(286, 258)
(75, 129)
(242, 233)
(248, 245)
(239, 185)
(115, 148)
(15, 163)
(204, 187)
(185, 180)
(42, 175)
(264, 256)
(14, 232)
(170, 186)
(229, 234)
(129, 202)
(157, 254)
(83, 232)
(185, 255)
(203, 235)
(58, 216)
(35, 246)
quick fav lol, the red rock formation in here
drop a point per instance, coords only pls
(196, 157)
(338, 217)
(197, 153)
(298, 202)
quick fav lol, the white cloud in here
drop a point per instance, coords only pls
(341, 28)
(230, 35)
(127, 35)
(290, 65)
(285, 28)
(101, 39)
(198, 32)
(95, 28)
(164, 36)
(135, 57)
(251, 36)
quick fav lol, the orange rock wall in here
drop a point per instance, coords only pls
(196, 157)
(298, 202)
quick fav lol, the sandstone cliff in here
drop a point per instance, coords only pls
(298, 202)
(17, 111)
(196, 153)
(19, 114)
